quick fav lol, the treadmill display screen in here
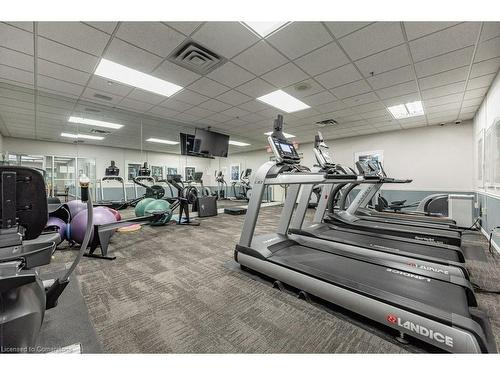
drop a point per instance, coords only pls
(285, 150)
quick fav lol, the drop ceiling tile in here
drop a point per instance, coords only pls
(233, 97)
(397, 90)
(476, 93)
(176, 74)
(135, 105)
(230, 74)
(235, 112)
(285, 75)
(384, 61)
(443, 109)
(368, 97)
(319, 98)
(184, 27)
(27, 26)
(256, 88)
(199, 112)
(16, 59)
(323, 59)
(490, 30)
(351, 89)
(253, 106)
(372, 39)
(208, 87)
(339, 29)
(89, 93)
(219, 117)
(408, 98)
(190, 97)
(225, 38)
(63, 55)
(439, 64)
(379, 115)
(107, 27)
(484, 67)
(131, 56)
(364, 108)
(391, 78)
(154, 37)
(416, 30)
(445, 78)
(304, 88)
(176, 105)
(435, 92)
(252, 117)
(146, 96)
(186, 117)
(57, 85)
(114, 88)
(453, 98)
(453, 38)
(62, 72)
(472, 102)
(260, 58)
(488, 50)
(16, 39)
(330, 107)
(215, 105)
(299, 38)
(479, 82)
(76, 35)
(339, 76)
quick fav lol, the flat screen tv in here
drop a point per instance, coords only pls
(210, 143)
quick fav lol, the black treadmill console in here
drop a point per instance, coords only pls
(285, 151)
(112, 170)
(144, 171)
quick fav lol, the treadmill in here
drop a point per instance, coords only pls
(437, 312)
(418, 250)
(374, 169)
(377, 168)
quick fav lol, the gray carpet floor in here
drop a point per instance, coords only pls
(176, 289)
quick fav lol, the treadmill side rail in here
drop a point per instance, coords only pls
(454, 338)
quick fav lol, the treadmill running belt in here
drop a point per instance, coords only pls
(409, 291)
(373, 242)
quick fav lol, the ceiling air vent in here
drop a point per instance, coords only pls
(327, 122)
(99, 131)
(196, 58)
(103, 97)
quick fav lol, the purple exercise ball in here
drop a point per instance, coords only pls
(60, 225)
(75, 206)
(79, 222)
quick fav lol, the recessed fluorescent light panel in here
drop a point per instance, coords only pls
(283, 101)
(82, 136)
(88, 121)
(412, 109)
(120, 73)
(164, 141)
(264, 28)
(237, 143)
(285, 134)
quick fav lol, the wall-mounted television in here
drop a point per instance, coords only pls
(211, 143)
(187, 144)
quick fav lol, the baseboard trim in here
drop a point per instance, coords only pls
(493, 244)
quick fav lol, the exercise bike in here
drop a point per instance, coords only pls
(24, 296)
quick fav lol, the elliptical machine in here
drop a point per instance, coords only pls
(24, 296)
(244, 184)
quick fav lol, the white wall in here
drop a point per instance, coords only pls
(1, 142)
(103, 155)
(436, 158)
